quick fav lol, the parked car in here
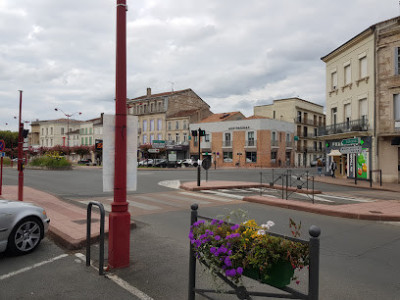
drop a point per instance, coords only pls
(315, 162)
(87, 162)
(160, 163)
(188, 162)
(22, 226)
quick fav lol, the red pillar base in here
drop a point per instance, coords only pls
(119, 239)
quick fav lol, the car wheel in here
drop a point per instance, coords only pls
(25, 236)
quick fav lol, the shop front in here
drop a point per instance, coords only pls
(351, 155)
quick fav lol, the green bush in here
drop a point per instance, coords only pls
(50, 162)
(6, 161)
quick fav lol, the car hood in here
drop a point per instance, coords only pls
(16, 204)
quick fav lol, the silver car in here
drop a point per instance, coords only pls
(22, 226)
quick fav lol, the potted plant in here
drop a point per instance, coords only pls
(248, 249)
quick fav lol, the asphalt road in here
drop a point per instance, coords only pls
(359, 259)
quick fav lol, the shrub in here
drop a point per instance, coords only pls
(51, 162)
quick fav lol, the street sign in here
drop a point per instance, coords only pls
(2, 145)
(2, 154)
(206, 164)
(352, 141)
(350, 149)
(158, 144)
(154, 150)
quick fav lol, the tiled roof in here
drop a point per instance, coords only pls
(184, 113)
(221, 117)
(159, 95)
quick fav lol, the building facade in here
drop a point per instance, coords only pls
(307, 118)
(250, 142)
(362, 84)
(166, 117)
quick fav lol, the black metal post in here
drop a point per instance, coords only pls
(355, 169)
(260, 183)
(313, 190)
(192, 258)
(307, 179)
(287, 182)
(380, 177)
(313, 273)
(198, 162)
(282, 185)
(272, 182)
(370, 178)
(88, 233)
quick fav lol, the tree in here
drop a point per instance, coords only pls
(10, 138)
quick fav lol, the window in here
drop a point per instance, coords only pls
(169, 136)
(273, 114)
(315, 146)
(144, 138)
(47, 132)
(159, 136)
(273, 137)
(305, 131)
(251, 157)
(363, 67)
(397, 61)
(347, 74)
(169, 125)
(320, 146)
(299, 116)
(273, 156)
(250, 138)
(62, 130)
(185, 137)
(227, 140)
(42, 131)
(287, 137)
(90, 130)
(177, 125)
(177, 138)
(86, 140)
(144, 125)
(151, 125)
(347, 114)
(334, 81)
(363, 109)
(184, 125)
(86, 131)
(315, 132)
(90, 140)
(334, 115)
(151, 107)
(227, 156)
(159, 124)
(51, 130)
(82, 141)
(51, 142)
(207, 138)
(396, 107)
(151, 138)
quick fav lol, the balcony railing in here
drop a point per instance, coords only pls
(308, 149)
(274, 143)
(250, 143)
(289, 144)
(226, 143)
(306, 122)
(353, 125)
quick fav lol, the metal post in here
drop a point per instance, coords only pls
(192, 257)
(119, 218)
(313, 273)
(307, 179)
(20, 153)
(313, 189)
(88, 234)
(198, 161)
(282, 186)
(260, 184)
(380, 177)
(355, 169)
(1, 175)
(370, 178)
(287, 182)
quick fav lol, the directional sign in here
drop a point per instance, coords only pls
(158, 144)
(352, 141)
(350, 149)
(154, 150)
(2, 145)
(2, 154)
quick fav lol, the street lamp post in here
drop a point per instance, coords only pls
(68, 117)
(20, 154)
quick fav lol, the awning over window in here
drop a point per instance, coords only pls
(335, 153)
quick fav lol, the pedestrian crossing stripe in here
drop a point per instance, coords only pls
(206, 196)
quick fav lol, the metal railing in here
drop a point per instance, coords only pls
(353, 125)
(239, 290)
(88, 234)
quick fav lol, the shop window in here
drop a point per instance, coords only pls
(251, 157)
(227, 156)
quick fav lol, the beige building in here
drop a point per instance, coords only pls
(307, 117)
(166, 117)
(49, 133)
(362, 106)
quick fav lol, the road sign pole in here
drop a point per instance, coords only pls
(198, 162)
(20, 153)
(1, 175)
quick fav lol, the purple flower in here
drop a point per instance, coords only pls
(239, 270)
(234, 227)
(195, 224)
(227, 261)
(221, 222)
(213, 250)
(191, 236)
(222, 249)
(217, 237)
(214, 221)
(233, 235)
(230, 272)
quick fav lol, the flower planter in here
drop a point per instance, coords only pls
(278, 274)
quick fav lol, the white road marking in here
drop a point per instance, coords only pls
(11, 274)
(186, 199)
(151, 199)
(125, 285)
(225, 194)
(349, 198)
(173, 184)
(241, 190)
(318, 198)
(206, 196)
(143, 206)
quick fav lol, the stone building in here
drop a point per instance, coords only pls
(249, 142)
(166, 117)
(363, 104)
(307, 117)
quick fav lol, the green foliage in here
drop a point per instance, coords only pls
(6, 161)
(10, 138)
(51, 162)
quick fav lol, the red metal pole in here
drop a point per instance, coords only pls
(20, 154)
(1, 175)
(119, 218)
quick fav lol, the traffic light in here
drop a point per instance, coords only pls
(25, 133)
(194, 132)
(202, 132)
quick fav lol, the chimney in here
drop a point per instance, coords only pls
(148, 92)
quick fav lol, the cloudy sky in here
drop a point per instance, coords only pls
(233, 54)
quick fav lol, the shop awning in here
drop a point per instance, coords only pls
(335, 153)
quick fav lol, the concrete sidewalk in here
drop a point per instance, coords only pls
(67, 220)
(382, 210)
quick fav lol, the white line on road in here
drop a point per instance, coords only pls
(122, 283)
(348, 198)
(157, 201)
(225, 194)
(175, 197)
(173, 184)
(205, 196)
(11, 274)
(143, 206)
(315, 197)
